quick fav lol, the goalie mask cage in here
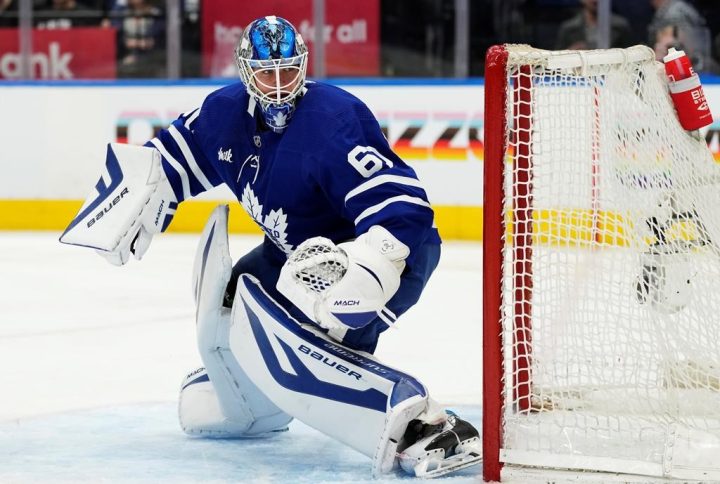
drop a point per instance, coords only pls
(601, 270)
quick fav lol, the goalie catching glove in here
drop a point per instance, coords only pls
(132, 201)
(344, 286)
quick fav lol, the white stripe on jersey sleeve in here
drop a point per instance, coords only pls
(389, 314)
(400, 198)
(192, 118)
(176, 166)
(189, 157)
(379, 180)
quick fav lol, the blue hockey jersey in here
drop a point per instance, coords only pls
(331, 173)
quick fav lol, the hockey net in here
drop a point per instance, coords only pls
(601, 269)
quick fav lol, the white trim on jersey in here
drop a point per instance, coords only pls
(389, 313)
(176, 166)
(251, 106)
(379, 180)
(387, 316)
(189, 157)
(192, 117)
(400, 198)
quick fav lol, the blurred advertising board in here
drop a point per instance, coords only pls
(352, 33)
(77, 53)
(441, 138)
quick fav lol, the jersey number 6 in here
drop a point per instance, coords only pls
(366, 160)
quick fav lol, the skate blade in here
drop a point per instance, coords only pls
(446, 466)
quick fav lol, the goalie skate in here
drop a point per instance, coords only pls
(437, 450)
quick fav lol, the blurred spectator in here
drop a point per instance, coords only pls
(580, 32)
(141, 37)
(65, 14)
(9, 11)
(638, 14)
(191, 46)
(8, 17)
(677, 24)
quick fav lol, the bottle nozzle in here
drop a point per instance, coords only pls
(673, 54)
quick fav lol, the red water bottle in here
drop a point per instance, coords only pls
(686, 92)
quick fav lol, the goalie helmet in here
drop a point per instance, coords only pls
(272, 58)
(665, 282)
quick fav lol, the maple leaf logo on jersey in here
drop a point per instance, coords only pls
(280, 119)
(273, 224)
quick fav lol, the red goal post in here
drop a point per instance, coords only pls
(599, 254)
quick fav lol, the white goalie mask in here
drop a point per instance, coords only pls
(272, 58)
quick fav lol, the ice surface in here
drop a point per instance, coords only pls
(142, 443)
(91, 358)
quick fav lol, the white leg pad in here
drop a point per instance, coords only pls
(200, 413)
(342, 393)
(228, 402)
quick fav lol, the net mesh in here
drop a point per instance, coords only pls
(318, 264)
(612, 268)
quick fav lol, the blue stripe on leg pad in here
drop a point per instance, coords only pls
(405, 385)
(200, 379)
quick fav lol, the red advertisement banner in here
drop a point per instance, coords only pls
(77, 53)
(352, 33)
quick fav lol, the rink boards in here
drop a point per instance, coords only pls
(56, 134)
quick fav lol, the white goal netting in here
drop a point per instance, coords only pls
(611, 277)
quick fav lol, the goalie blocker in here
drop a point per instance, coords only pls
(130, 203)
(263, 368)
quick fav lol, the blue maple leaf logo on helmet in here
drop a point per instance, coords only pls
(272, 40)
